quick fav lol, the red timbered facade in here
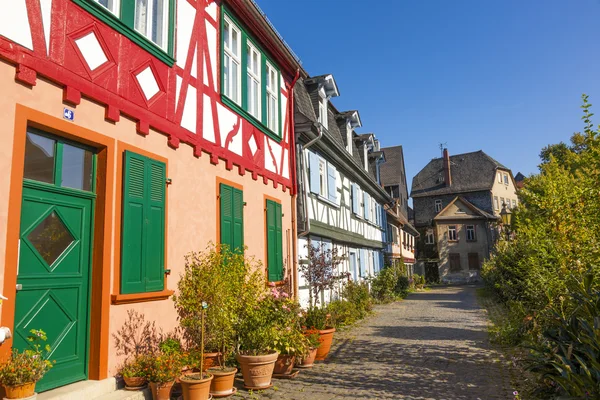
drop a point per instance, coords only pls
(128, 126)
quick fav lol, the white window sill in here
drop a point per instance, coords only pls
(326, 200)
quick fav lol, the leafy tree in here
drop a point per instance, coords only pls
(321, 272)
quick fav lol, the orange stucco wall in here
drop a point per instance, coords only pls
(192, 197)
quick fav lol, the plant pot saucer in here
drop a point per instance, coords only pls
(133, 388)
(25, 398)
(294, 374)
(216, 396)
(259, 388)
(304, 366)
(210, 396)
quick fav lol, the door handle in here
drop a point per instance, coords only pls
(19, 287)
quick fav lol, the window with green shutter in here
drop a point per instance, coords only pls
(143, 231)
(274, 241)
(232, 217)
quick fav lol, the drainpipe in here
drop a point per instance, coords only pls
(294, 197)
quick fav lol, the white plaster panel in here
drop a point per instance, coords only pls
(178, 82)
(252, 145)
(185, 23)
(148, 83)
(188, 119)
(46, 7)
(14, 23)
(285, 168)
(211, 36)
(282, 116)
(227, 120)
(211, 9)
(92, 51)
(194, 71)
(272, 156)
(208, 128)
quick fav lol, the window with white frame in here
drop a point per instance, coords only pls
(496, 204)
(502, 202)
(506, 179)
(499, 177)
(452, 233)
(429, 238)
(471, 237)
(110, 5)
(151, 20)
(349, 137)
(250, 81)
(272, 98)
(322, 177)
(514, 203)
(323, 113)
(231, 61)
(254, 74)
(438, 206)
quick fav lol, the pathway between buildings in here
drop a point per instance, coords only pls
(433, 345)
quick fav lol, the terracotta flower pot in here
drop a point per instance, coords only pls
(161, 391)
(195, 389)
(308, 361)
(222, 383)
(325, 337)
(257, 370)
(20, 391)
(211, 360)
(134, 381)
(284, 364)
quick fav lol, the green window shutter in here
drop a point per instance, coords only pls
(155, 226)
(274, 242)
(226, 205)
(238, 219)
(143, 231)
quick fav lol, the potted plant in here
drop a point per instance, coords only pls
(133, 372)
(257, 333)
(162, 370)
(217, 277)
(319, 319)
(25, 368)
(196, 386)
(313, 339)
(290, 343)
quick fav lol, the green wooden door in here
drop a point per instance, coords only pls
(53, 278)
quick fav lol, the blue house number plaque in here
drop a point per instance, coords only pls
(68, 114)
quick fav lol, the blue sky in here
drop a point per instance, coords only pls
(504, 76)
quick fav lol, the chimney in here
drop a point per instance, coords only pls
(446, 162)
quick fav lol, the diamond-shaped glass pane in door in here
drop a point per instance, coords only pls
(51, 238)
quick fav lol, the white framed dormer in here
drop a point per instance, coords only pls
(323, 119)
(352, 122)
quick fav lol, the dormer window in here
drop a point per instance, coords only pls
(323, 111)
(349, 137)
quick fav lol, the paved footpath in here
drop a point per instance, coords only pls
(433, 345)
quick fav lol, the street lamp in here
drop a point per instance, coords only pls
(506, 216)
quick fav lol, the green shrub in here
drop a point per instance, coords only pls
(402, 286)
(358, 294)
(569, 353)
(343, 313)
(383, 286)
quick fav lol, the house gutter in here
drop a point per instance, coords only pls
(294, 197)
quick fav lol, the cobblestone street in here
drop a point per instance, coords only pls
(433, 345)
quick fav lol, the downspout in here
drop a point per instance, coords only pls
(294, 261)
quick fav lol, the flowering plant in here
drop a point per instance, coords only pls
(313, 338)
(317, 318)
(162, 368)
(27, 366)
(135, 367)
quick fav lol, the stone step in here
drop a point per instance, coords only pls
(81, 390)
(123, 394)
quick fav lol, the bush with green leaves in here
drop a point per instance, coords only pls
(569, 353)
(383, 286)
(402, 286)
(222, 279)
(343, 313)
(29, 365)
(357, 293)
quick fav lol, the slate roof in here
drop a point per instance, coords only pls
(469, 171)
(476, 209)
(306, 99)
(392, 170)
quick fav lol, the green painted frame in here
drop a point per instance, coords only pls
(124, 25)
(262, 124)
